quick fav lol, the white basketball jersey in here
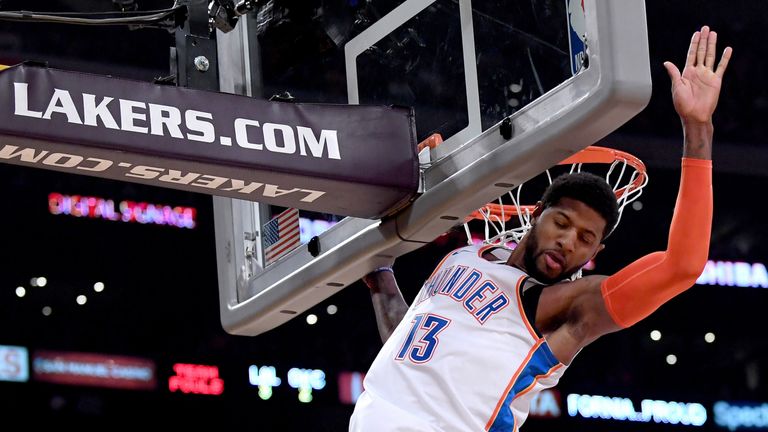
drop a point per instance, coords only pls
(464, 358)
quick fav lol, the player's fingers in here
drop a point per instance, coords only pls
(724, 61)
(673, 71)
(701, 51)
(709, 60)
(689, 61)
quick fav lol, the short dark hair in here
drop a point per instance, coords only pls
(588, 188)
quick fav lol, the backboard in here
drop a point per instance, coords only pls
(512, 86)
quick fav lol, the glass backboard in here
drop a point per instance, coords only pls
(513, 87)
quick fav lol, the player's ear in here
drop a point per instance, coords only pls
(537, 210)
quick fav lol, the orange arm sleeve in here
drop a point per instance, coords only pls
(640, 288)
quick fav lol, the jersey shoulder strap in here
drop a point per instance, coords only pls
(530, 292)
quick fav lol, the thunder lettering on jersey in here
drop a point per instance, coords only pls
(465, 285)
(465, 356)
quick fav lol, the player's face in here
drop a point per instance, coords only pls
(565, 237)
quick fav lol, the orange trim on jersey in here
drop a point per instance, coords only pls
(536, 379)
(441, 262)
(512, 383)
(482, 250)
(486, 248)
(522, 311)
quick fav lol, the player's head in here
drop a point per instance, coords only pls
(576, 213)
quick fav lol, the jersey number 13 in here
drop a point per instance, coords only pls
(421, 349)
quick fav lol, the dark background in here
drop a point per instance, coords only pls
(161, 296)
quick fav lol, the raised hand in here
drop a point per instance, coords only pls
(695, 92)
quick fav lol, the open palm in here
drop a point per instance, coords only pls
(695, 92)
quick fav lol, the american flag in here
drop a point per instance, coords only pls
(281, 235)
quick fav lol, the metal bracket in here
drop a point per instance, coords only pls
(196, 50)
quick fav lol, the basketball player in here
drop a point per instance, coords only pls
(490, 327)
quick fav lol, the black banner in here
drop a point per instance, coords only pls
(342, 159)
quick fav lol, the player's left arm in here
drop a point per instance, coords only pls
(602, 305)
(605, 304)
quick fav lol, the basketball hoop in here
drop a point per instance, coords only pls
(626, 174)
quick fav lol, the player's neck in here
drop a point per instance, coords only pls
(517, 257)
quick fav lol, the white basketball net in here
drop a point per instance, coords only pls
(499, 231)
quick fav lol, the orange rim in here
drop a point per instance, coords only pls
(592, 154)
(431, 141)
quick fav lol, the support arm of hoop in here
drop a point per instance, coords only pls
(639, 289)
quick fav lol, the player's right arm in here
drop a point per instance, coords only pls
(388, 302)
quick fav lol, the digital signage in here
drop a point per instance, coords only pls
(101, 370)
